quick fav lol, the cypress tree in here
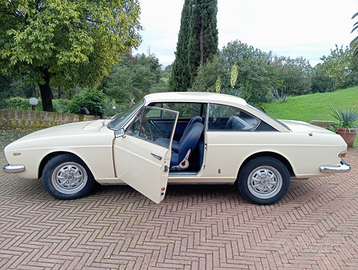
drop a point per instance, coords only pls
(180, 76)
(203, 41)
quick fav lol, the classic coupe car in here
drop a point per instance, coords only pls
(179, 138)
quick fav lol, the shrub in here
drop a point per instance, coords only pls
(97, 103)
(93, 100)
(321, 82)
(61, 105)
(17, 103)
(351, 80)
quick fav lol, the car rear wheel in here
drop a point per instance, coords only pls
(264, 180)
(67, 177)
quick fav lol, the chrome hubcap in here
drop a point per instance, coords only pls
(69, 178)
(264, 182)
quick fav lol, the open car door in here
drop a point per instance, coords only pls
(139, 160)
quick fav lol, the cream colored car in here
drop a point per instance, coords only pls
(179, 138)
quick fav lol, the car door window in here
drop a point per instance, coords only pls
(230, 119)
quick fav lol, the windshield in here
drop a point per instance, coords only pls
(122, 118)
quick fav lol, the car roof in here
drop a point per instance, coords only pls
(214, 98)
(204, 97)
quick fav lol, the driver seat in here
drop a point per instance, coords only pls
(186, 146)
(175, 144)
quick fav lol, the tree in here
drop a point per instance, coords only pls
(338, 65)
(65, 43)
(255, 75)
(180, 76)
(354, 42)
(321, 81)
(152, 62)
(119, 84)
(5, 89)
(203, 41)
(132, 77)
(295, 75)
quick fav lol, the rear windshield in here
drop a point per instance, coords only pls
(258, 110)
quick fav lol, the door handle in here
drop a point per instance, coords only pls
(156, 156)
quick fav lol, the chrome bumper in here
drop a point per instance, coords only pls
(14, 168)
(342, 168)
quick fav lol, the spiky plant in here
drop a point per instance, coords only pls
(346, 118)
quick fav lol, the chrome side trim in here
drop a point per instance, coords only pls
(14, 168)
(342, 168)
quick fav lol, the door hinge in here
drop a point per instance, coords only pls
(166, 168)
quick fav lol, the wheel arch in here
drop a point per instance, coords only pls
(269, 154)
(53, 154)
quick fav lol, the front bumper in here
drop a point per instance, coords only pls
(342, 168)
(14, 168)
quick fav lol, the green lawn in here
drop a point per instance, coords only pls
(314, 106)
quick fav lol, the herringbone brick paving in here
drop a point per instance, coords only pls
(195, 227)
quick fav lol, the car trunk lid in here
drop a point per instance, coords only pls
(300, 126)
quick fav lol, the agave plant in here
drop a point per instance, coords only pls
(347, 118)
(279, 97)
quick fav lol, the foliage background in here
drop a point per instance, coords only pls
(65, 43)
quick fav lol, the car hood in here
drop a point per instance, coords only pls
(300, 126)
(67, 129)
(65, 136)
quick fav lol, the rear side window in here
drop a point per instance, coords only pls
(230, 119)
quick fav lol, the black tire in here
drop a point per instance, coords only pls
(67, 177)
(264, 180)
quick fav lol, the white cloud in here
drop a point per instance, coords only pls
(307, 28)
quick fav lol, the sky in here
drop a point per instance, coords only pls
(291, 28)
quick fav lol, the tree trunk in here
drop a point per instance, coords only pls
(45, 90)
(201, 40)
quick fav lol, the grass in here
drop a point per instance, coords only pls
(314, 106)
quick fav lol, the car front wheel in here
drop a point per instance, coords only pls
(66, 177)
(264, 180)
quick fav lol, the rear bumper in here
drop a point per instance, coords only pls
(14, 168)
(342, 168)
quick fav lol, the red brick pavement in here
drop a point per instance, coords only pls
(195, 227)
